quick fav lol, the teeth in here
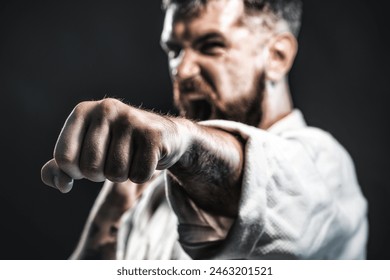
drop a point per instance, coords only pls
(195, 97)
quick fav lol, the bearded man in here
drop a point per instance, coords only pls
(239, 175)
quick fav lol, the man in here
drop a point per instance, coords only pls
(239, 175)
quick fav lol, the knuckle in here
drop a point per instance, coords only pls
(107, 107)
(81, 108)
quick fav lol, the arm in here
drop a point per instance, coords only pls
(108, 139)
(299, 199)
(210, 171)
(99, 237)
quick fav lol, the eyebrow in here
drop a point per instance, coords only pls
(171, 43)
(208, 36)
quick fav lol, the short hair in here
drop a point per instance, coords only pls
(288, 10)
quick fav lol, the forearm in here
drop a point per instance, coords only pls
(210, 170)
(120, 142)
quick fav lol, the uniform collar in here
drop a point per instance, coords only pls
(292, 121)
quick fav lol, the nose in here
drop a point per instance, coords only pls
(185, 66)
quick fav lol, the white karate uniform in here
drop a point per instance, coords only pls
(300, 199)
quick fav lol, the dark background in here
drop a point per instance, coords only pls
(54, 54)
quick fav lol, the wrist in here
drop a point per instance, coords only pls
(188, 131)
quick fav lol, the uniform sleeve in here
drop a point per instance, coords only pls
(300, 199)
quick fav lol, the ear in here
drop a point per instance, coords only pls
(282, 49)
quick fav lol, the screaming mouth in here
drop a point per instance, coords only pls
(200, 110)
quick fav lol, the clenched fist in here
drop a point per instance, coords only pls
(108, 139)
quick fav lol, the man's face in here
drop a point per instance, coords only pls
(216, 62)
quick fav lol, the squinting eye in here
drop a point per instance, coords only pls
(212, 48)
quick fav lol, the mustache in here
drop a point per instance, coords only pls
(201, 107)
(194, 84)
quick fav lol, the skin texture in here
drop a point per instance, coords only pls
(223, 66)
(112, 140)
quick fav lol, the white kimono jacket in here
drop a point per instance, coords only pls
(300, 200)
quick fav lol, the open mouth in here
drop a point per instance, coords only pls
(200, 110)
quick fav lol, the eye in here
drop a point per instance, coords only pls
(212, 48)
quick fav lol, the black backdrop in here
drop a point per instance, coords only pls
(54, 54)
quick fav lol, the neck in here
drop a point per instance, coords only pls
(276, 104)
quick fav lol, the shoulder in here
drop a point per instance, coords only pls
(316, 141)
(331, 158)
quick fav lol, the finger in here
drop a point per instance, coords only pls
(68, 146)
(94, 150)
(118, 158)
(54, 177)
(144, 161)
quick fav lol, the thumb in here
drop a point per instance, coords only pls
(54, 177)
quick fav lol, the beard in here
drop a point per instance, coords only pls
(245, 108)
